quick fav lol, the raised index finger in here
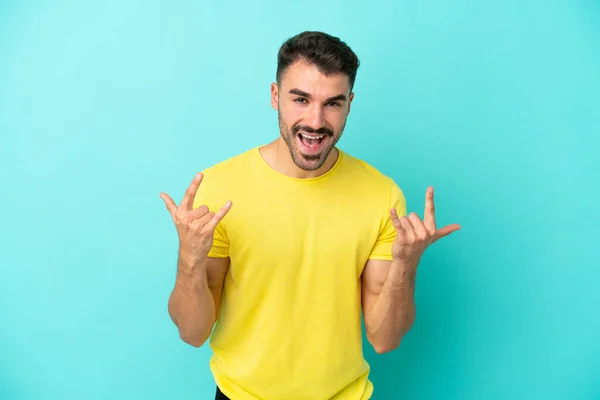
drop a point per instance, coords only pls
(429, 216)
(190, 193)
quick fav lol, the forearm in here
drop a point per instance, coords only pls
(191, 304)
(393, 312)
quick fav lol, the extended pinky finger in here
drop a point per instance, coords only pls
(219, 215)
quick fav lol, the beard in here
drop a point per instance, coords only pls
(305, 161)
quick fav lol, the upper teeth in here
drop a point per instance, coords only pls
(312, 137)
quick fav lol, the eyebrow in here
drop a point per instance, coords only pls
(302, 93)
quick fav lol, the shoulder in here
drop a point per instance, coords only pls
(369, 179)
(232, 165)
(364, 172)
(220, 178)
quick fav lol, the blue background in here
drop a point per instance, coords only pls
(103, 105)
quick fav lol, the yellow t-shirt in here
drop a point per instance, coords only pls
(289, 327)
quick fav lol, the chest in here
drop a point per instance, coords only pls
(292, 235)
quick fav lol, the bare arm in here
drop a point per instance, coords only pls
(196, 298)
(388, 303)
(388, 287)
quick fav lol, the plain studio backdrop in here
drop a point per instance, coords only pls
(103, 105)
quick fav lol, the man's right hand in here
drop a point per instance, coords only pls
(195, 227)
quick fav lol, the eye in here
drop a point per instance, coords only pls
(300, 100)
(334, 104)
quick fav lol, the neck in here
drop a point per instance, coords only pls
(277, 155)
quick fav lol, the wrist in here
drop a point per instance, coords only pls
(191, 264)
(405, 272)
(405, 264)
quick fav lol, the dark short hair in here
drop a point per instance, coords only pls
(328, 53)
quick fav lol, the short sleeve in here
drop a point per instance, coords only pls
(209, 195)
(382, 250)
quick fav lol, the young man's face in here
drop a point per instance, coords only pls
(312, 112)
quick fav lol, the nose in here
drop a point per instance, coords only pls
(314, 117)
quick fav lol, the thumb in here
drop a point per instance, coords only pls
(445, 231)
(169, 203)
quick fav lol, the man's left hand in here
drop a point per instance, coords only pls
(414, 235)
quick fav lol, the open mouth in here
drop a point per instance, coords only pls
(311, 142)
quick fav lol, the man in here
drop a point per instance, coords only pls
(283, 246)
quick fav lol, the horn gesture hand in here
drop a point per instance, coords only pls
(414, 235)
(195, 227)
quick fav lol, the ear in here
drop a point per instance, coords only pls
(274, 96)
